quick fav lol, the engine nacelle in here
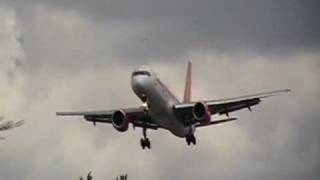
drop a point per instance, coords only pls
(201, 112)
(120, 121)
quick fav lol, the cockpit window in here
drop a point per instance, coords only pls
(141, 73)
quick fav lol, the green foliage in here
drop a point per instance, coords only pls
(89, 176)
(122, 177)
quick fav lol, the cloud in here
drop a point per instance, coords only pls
(72, 56)
(11, 64)
(168, 29)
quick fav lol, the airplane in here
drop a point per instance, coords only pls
(161, 109)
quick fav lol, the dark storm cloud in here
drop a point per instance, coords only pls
(173, 28)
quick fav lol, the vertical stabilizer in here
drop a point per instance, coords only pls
(187, 90)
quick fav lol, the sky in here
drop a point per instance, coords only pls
(79, 54)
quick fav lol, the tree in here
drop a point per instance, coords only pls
(122, 177)
(89, 176)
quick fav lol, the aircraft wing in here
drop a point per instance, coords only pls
(225, 106)
(137, 117)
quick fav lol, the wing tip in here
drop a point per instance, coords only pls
(286, 90)
(282, 91)
(63, 114)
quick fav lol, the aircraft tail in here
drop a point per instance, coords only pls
(187, 90)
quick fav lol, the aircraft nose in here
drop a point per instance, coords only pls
(138, 84)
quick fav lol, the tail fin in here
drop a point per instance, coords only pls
(187, 90)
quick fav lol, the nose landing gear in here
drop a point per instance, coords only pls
(143, 98)
(191, 139)
(145, 142)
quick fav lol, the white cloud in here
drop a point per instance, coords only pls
(12, 57)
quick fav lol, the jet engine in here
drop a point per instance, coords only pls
(201, 112)
(120, 121)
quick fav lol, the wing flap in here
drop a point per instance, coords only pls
(148, 125)
(233, 106)
(216, 122)
(86, 113)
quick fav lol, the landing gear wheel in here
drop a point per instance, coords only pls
(148, 144)
(191, 139)
(145, 142)
(188, 140)
(142, 143)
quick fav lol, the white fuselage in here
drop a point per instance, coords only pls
(160, 101)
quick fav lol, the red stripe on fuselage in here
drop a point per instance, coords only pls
(166, 89)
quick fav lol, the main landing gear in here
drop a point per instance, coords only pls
(145, 142)
(191, 139)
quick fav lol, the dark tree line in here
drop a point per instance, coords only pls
(90, 177)
(122, 177)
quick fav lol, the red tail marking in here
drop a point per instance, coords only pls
(187, 90)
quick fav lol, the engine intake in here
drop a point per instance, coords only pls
(201, 112)
(120, 121)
